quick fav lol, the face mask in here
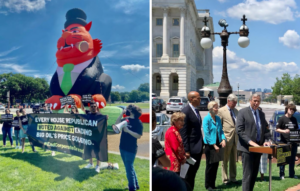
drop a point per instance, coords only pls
(127, 113)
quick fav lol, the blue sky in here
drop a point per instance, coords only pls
(274, 40)
(30, 30)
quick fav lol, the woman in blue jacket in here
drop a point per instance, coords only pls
(214, 139)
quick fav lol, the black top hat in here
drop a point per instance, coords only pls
(75, 16)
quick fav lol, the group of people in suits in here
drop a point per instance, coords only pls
(225, 131)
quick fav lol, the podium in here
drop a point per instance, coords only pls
(271, 151)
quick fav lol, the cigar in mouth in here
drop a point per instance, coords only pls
(82, 46)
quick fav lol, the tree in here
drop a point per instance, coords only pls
(115, 96)
(134, 96)
(124, 96)
(283, 86)
(144, 87)
(296, 89)
(23, 87)
(144, 96)
(288, 86)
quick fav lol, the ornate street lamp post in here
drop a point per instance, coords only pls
(224, 88)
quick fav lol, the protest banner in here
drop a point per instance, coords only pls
(67, 100)
(294, 136)
(81, 135)
(6, 117)
(87, 98)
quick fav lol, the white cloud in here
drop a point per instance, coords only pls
(118, 87)
(128, 6)
(134, 67)
(124, 42)
(16, 68)
(144, 50)
(4, 13)
(270, 11)
(48, 77)
(250, 73)
(107, 54)
(222, 13)
(290, 39)
(8, 59)
(9, 51)
(23, 5)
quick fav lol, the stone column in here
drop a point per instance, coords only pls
(182, 84)
(165, 56)
(182, 57)
(165, 93)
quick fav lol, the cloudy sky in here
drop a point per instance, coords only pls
(30, 30)
(274, 40)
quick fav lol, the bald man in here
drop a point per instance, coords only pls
(191, 135)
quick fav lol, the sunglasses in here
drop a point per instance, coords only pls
(93, 106)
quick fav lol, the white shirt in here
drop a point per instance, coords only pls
(193, 108)
(74, 73)
(231, 112)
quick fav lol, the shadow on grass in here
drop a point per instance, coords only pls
(47, 163)
(230, 185)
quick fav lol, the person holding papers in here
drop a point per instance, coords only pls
(173, 143)
(286, 123)
(23, 122)
(17, 130)
(7, 130)
(158, 153)
(214, 139)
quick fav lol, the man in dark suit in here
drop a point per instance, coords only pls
(251, 127)
(191, 135)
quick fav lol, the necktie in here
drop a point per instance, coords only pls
(257, 128)
(197, 113)
(231, 113)
(66, 83)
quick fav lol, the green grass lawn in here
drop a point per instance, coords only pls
(141, 105)
(40, 171)
(277, 184)
(146, 127)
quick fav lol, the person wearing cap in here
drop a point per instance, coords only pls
(128, 142)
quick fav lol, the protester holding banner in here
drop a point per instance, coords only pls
(173, 142)
(128, 142)
(284, 124)
(45, 109)
(23, 122)
(7, 130)
(17, 131)
(93, 111)
(74, 109)
(158, 153)
(214, 139)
